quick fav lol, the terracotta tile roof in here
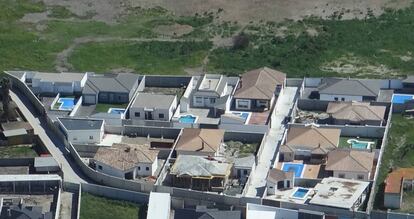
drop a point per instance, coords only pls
(204, 140)
(356, 111)
(350, 160)
(259, 84)
(394, 179)
(125, 157)
(311, 137)
(276, 175)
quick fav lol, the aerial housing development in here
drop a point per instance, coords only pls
(213, 145)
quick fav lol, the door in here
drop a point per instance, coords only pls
(148, 116)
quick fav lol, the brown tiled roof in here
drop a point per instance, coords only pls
(313, 138)
(259, 84)
(394, 179)
(350, 160)
(204, 140)
(355, 111)
(125, 157)
(276, 175)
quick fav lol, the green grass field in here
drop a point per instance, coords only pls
(18, 151)
(95, 207)
(373, 47)
(398, 152)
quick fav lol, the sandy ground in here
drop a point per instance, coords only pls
(242, 11)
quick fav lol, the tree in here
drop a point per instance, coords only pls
(241, 41)
(5, 94)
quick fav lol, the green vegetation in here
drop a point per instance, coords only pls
(407, 202)
(60, 12)
(398, 152)
(95, 207)
(144, 57)
(374, 47)
(240, 149)
(103, 107)
(17, 151)
(343, 141)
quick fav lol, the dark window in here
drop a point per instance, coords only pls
(139, 168)
(137, 114)
(342, 99)
(341, 175)
(336, 98)
(161, 116)
(147, 168)
(245, 172)
(100, 167)
(360, 177)
(90, 137)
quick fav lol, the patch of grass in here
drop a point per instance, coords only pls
(18, 151)
(372, 42)
(240, 149)
(103, 107)
(398, 152)
(95, 207)
(407, 205)
(144, 57)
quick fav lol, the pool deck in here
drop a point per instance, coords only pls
(310, 171)
(258, 118)
(286, 196)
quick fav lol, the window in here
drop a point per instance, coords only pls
(137, 114)
(245, 172)
(139, 168)
(161, 116)
(336, 98)
(75, 138)
(100, 167)
(342, 99)
(212, 100)
(341, 175)
(199, 100)
(360, 177)
(243, 104)
(90, 137)
(147, 168)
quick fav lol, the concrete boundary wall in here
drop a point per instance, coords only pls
(16, 162)
(57, 210)
(166, 81)
(77, 106)
(294, 82)
(371, 200)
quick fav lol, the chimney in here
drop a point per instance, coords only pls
(241, 83)
(209, 84)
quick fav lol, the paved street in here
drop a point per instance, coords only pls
(258, 178)
(56, 147)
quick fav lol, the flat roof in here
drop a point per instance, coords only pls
(45, 162)
(30, 177)
(15, 132)
(81, 124)
(159, 205)
(149, 100)
(338, 192)
(59, 77)
(210, 82)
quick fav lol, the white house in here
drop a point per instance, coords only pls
(279, 180)
(159, 206)
(67, 83)
(126, 161)
(82, 131)
(350, 164)
(339, 89)
(147, 106)
(210, 88)
(243, 167)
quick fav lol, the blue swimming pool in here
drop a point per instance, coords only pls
(118, 111)
(401, 98)
(188, 119)
(243, 115)
(300, 193)
(66, 103)
(359, 144)
(296, 168)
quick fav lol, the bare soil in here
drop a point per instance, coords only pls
(175, 30)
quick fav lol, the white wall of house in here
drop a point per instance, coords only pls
(352, 175)
(147, 169)
(85, 136)
(330, 97)
(138, 113)
(392, 200)
(204, 101)
(103, 168)
(139, 170)
(90, 99)
(271, 188)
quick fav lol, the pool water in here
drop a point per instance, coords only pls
(401, 98)
(359, 144)
(300, 193)
(243, 115)
(188, 119)
(296, 168)
(118, 111)
(66, 103)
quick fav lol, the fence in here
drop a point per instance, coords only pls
(16, 161)
(166, 81)
(374, 188)
(76, 107)
(57, 208)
